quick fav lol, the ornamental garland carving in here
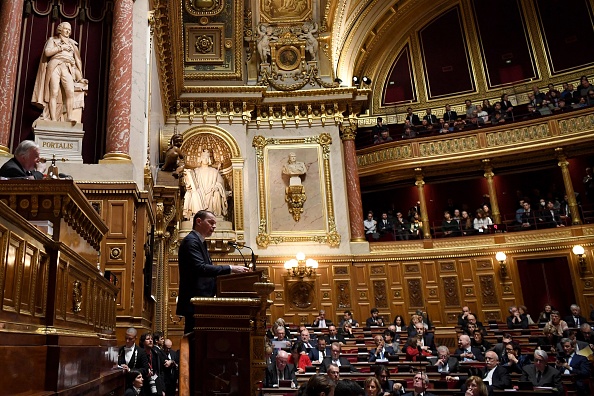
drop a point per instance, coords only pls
(415, 294)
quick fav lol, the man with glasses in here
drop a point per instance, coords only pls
(420, 384)
(541, 374)
(446, 363)
(130, 356)
(335, 359)
(493, 374)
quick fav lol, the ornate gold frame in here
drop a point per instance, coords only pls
(266, 235)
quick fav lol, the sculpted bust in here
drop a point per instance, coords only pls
(294, 169)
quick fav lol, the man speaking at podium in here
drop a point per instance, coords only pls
(196, 272)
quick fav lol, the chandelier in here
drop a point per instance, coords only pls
(300, 267)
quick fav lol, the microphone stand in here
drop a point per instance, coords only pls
(236, 246)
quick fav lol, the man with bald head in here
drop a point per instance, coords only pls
(130, 356)
(170, 368)
(493, 374)
(279, 370)
(466, 352)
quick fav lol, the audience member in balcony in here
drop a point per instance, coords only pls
(385, 228)
(487, 211)
(554, 99)
(482, 114)
(559, 325)
(347, 317)
(409, 133)
(473, 122)
(318, 353)
(391, 338)
(384, 137)
(416, 227)
(429, 117)
(569, 94)
(414, 209)
(532, 101)
(413, 118)
(497, 118)
(581, 102)
(528, 217)
(513, 360)
(401, 227)
(584, 86)
(487, 106)
(552, 94)
(539, 96)
(499, 108)
(333, 336)
(524, 311)
(375, 319)
(550, 217)
(299, 357)
(335, 358)
(506, 106)
(422, 129)
(466, 352)
(459, 125)
(457, 215)
(321, 320)
(575, 320)
(469, 108)
(430, 128)
(379, 128)
(381, 350)
(478, 341)
(370, 226)
(388, 386)
(400, 323)
(541, 374)
(532, 112)
(449, 115)
(590, 97)
(516, 320)
(449, 227)
(466, 224)
(562, 106)
(280, 369)
(574, 364)
(481, 222)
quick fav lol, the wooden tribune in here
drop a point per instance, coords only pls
(226, 350)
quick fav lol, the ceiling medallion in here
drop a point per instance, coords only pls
(204, 44)
(204, 7)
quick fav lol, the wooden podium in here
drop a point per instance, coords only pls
(226, 350)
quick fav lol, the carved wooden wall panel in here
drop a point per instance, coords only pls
(343, 293)
(380, 294)
(450, 289)
(117, 219)
(488, 291)
(415, 293)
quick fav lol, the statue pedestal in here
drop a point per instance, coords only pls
(60, 138)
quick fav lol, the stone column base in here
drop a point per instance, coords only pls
(60, 138)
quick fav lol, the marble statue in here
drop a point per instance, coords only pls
(311, 43)
(205, 189)
(265, 36)
(174, 157)
(294, 169)
(59, 86)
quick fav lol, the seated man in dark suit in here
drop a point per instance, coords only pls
(541, 374)
(320, 352)
(22, 165)
(466, 352)
(381, 351)
(336, 359)
(321, 320)
(375, 319)
(516, 320)
(130, 356)
(446, 363)
(575, 319)
(425, 340)
(493, 374)
(420, 385)
(333, 336)
(279, 370)
(575, 364)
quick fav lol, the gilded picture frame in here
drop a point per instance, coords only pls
(276, 224)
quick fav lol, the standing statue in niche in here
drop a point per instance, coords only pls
(205, 189)
(265, 36)
(295, 192)
(311, 44)
(59, 86)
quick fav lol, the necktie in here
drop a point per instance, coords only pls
(538, 377)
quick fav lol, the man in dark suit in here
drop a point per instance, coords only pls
(336, 359)
(446, 363)
(431, 118)
(381, 351)
(374, 319)
(449, 115)
(22, 165)
(516, 320)
(420, 385)
(320, 352)
(425, 340)
(170, 368)
(541, 374)
(575, 319)
(333, 335)
(413, 118)
(493, 374)
(130, 356)
(279, 370)
(321, 320)
(466, 352)
(385, 228)
(197, 274)
(575, 364)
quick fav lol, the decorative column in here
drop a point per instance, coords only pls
(120, 83)
(573, 206)
(492, 192)
(11, 20)
(424, 218)
(353, 187)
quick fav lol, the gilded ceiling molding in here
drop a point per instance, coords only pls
(162, 38)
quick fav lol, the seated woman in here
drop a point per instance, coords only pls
(478, 340)
(413, 351)
(466, 225)
(545, 315)
(481, 222)
(449, 227)
(299, 358)
(347, 330)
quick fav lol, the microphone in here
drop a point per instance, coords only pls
(251, 265)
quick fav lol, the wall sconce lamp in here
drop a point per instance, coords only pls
(300, 267)
(356, 81)
(501, 257)
(366, 80)
(579, 251)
